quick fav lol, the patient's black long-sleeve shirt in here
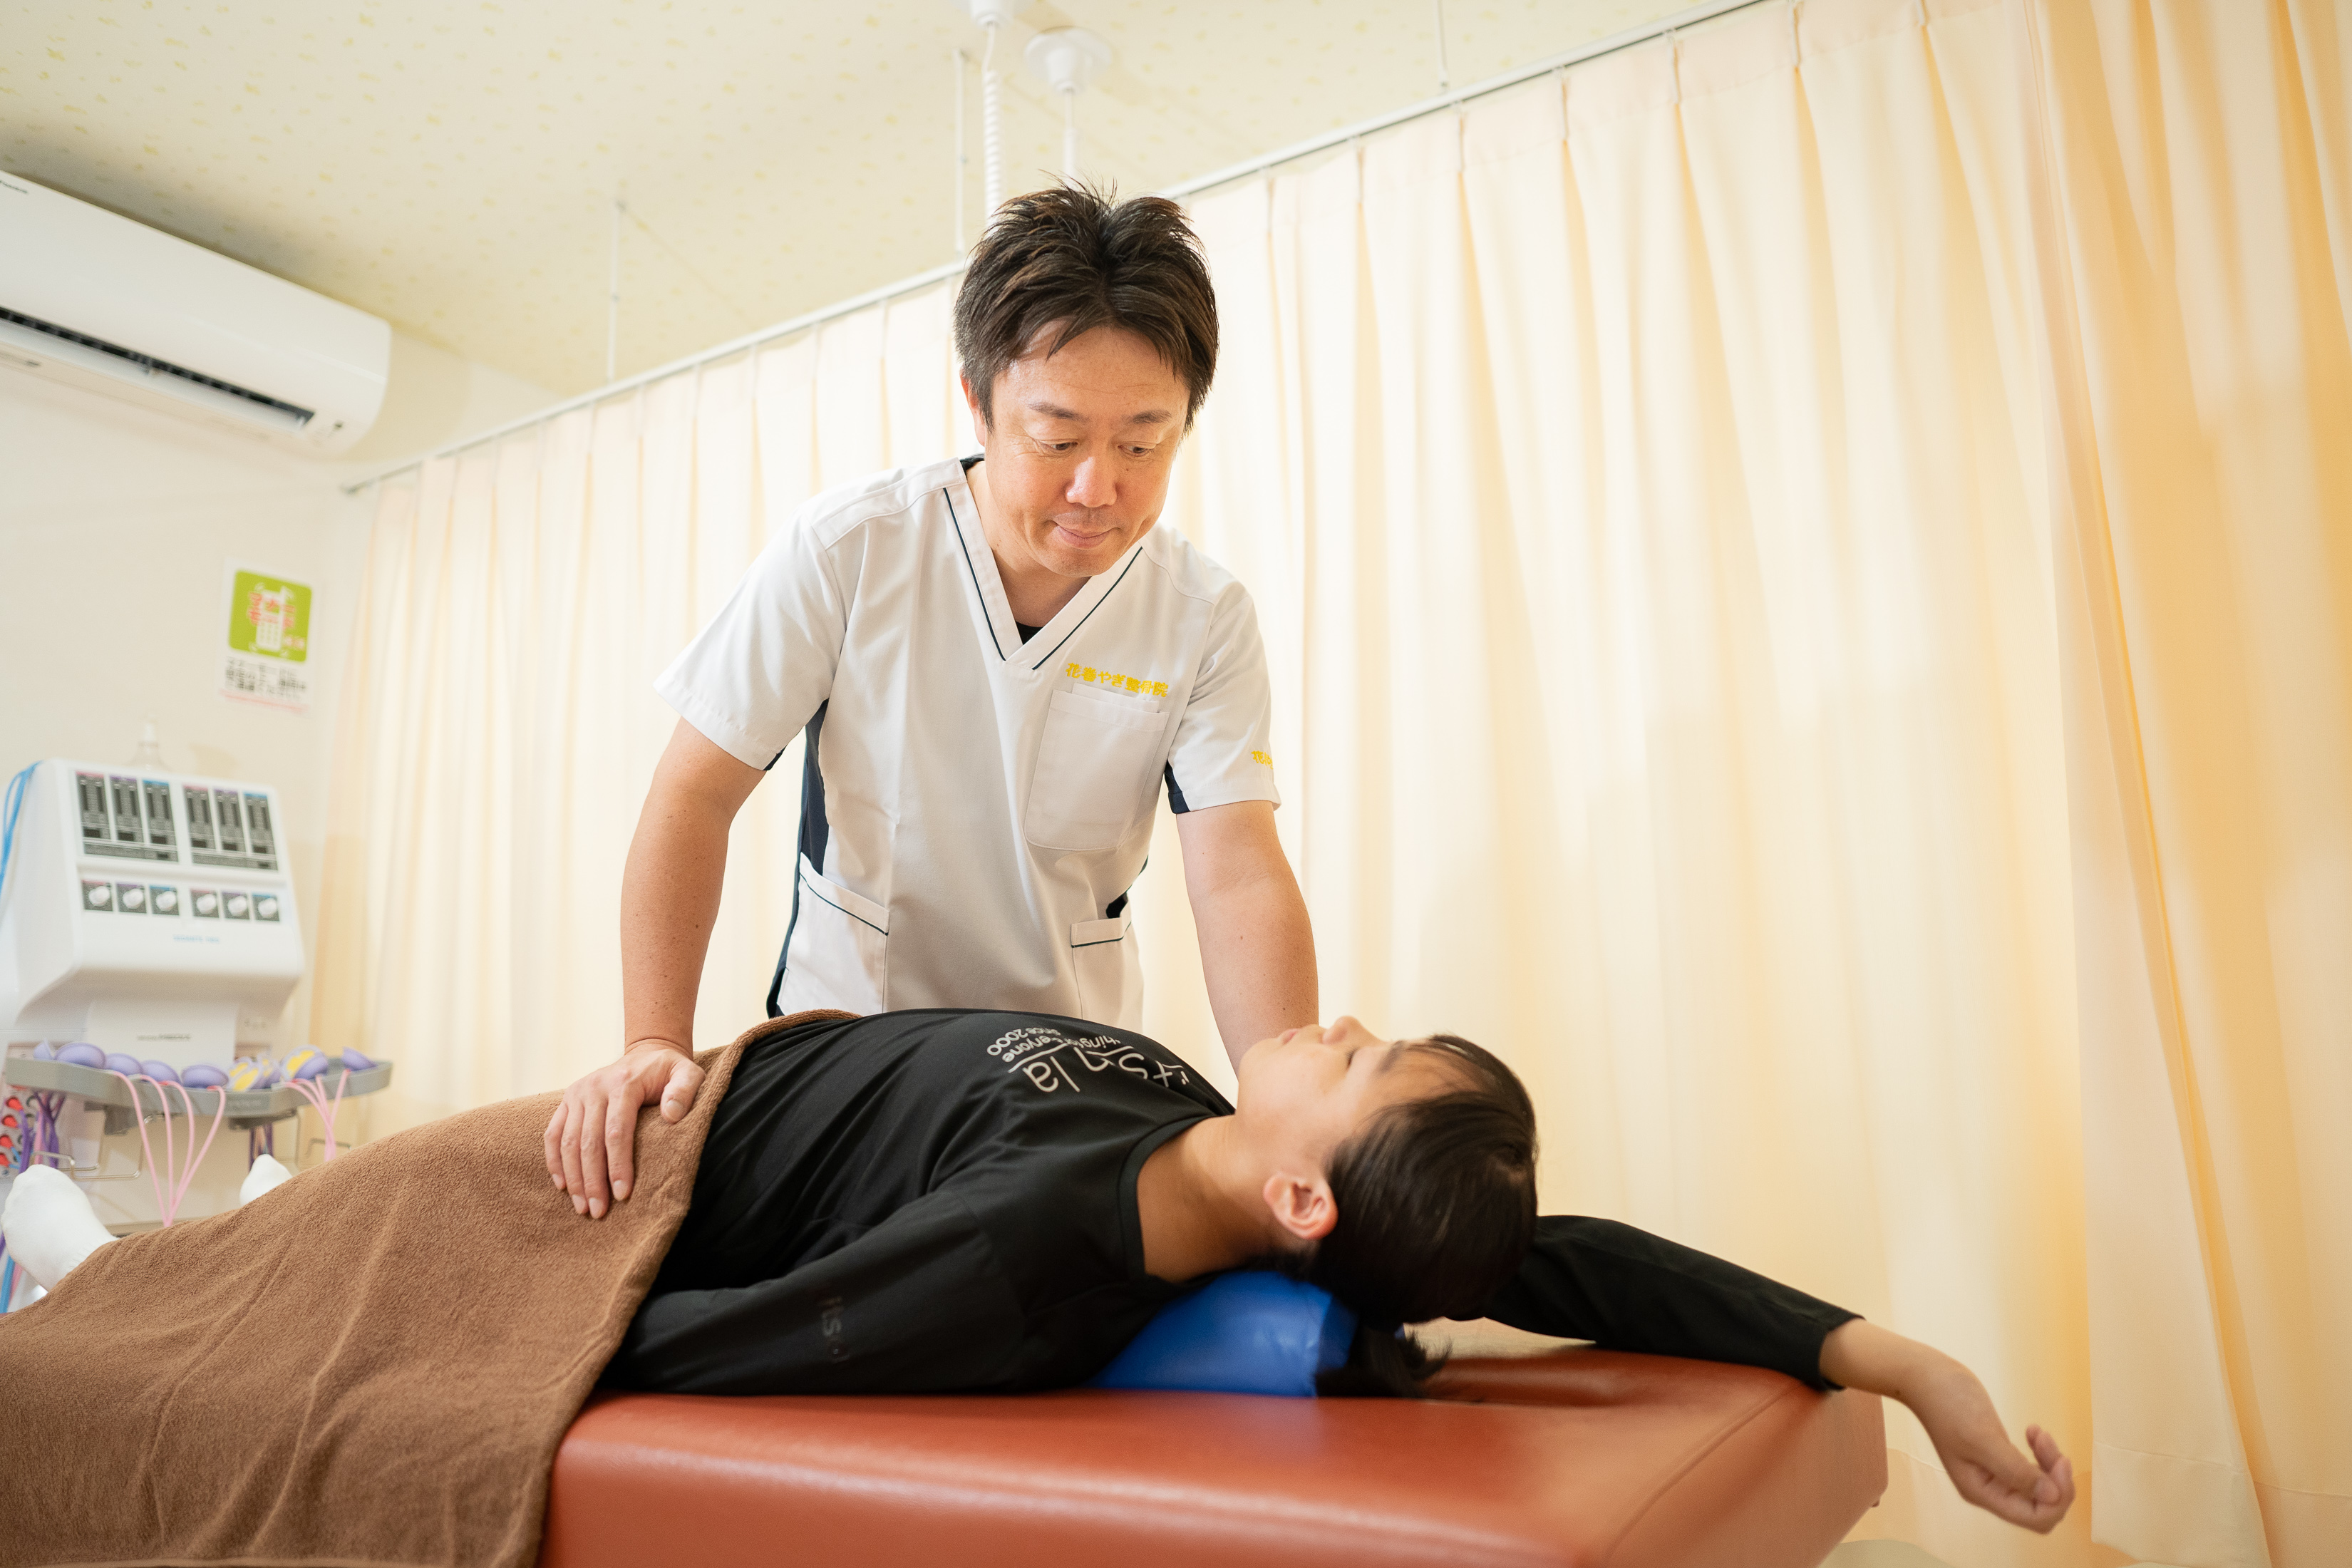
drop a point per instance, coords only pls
(941, 1199)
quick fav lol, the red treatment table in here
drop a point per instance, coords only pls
(1575, 1457)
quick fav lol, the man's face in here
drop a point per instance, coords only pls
(1080, 450)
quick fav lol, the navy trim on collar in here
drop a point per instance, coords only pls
(967, 566)
(1098, 603)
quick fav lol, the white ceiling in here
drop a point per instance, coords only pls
(450, 164)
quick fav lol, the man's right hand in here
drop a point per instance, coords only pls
(593, 1137)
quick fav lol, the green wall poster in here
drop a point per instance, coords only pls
(267, 656)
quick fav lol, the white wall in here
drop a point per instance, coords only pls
(114, 523)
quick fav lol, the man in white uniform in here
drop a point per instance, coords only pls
(998, 663)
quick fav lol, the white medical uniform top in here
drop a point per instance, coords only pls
(975, 807)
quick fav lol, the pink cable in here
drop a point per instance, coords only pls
(310, 1097)
(310, 1090)
(138, 1115)
(188, 1175)
(167, 1208)
(163, 1103)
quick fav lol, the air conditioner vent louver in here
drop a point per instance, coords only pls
(292, 415)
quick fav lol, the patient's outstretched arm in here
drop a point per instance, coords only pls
(1957, 1413)
(1600, 1280)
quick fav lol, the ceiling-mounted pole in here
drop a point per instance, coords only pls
(963, 164)
(612, 301)
(992, 129)
(991, 16)
(1067, 59)
(1444, 71)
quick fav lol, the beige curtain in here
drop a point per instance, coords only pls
(1645, 472)
(1685, 488)
(2197, 282)
(1806, 574)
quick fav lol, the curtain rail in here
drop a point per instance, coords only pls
(1689, 17)
(939, 274)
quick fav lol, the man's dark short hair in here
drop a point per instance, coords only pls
(1074, 255)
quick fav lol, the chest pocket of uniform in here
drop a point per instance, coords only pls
(1093, 774)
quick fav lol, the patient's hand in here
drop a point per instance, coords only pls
(1949, 1402)
(594, 1130)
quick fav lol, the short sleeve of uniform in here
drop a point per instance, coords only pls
(1222, 751)
(752, 678)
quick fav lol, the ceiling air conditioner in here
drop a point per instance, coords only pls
(113, 305)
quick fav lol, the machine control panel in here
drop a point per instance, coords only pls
(168, 900)
(128, 817)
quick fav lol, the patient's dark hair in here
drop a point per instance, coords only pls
(1437, 1207)
(1082, 259)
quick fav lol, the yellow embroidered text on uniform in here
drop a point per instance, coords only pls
(1134, 683)
(1261, 757)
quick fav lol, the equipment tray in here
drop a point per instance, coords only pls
(246, 1108)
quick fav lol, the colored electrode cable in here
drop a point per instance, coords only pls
(21, 1157)
(37, 1135)
(188, 1174)
(147, 1150)
(168, 1207)
(39, 1141)
(16, 803)
(308, 1089)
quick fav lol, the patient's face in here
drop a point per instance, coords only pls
(1304, 1092)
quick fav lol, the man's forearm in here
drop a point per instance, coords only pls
(669, 900)
(1257, 956)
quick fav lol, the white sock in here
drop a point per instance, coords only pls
(49, 1224)
(266, 1172)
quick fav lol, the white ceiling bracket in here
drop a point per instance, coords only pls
(1067, 60)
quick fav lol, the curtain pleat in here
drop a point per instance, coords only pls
(1678, 664)
(1808, 575)
(2195, 259)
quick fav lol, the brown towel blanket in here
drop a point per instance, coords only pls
(371, 1365)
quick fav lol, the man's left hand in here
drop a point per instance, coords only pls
(592, 1138)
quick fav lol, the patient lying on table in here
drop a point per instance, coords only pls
(963, 1201)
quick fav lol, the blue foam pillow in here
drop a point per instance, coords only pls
(1253, 1332)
